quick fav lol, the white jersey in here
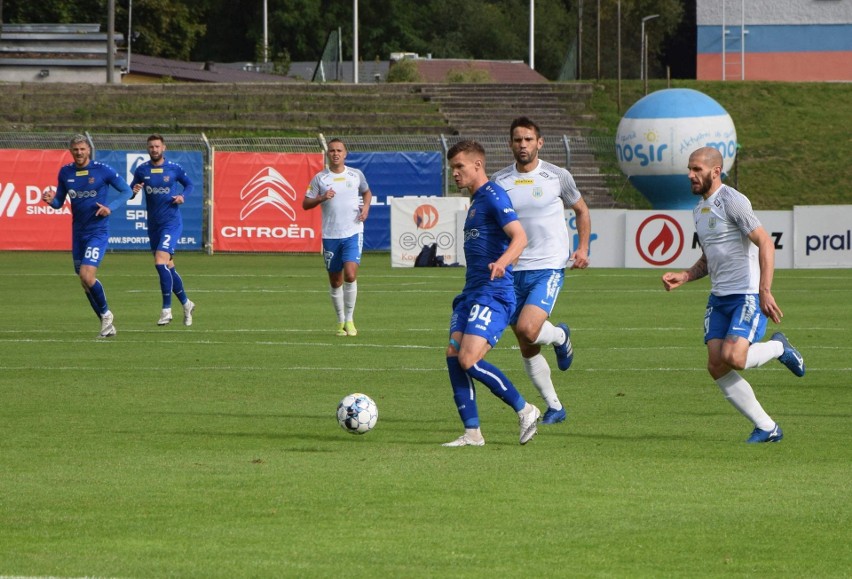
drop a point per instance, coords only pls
(540, 198)
(723, 222)
(340, 213)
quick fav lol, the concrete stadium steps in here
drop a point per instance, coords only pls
(220, 109)
(270, 109)
(558, 108)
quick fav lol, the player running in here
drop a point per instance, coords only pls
(540, 192)
(86, 183)
(159, 179)
(739, 256)
(493, 239)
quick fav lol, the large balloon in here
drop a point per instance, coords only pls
(658, 133)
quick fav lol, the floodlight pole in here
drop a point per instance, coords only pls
(618, 18)
(532, 34)
(642, 63)
(110, 53)
(265, 34)
(355, 41)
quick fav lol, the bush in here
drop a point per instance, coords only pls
(404, 71)
(469, 75)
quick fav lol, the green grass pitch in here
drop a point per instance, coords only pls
(213, 451)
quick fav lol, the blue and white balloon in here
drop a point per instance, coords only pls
(659, 132)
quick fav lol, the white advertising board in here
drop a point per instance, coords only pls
(419, 221)
(823, 236)
(667, 239)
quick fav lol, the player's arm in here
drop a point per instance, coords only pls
(188, 187)
(313, 197)
(766, 259)
(125, 193)
(518, 242)
(580, 257)
(136, 183)
(365, 209)
(673, 279)
(56, 198)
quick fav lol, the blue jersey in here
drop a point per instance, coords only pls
(87, 187)
(159, 183)
(485, 241)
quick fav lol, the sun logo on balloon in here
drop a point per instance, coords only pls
(651, 136)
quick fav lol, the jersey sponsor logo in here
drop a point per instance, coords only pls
(157, 170)
(82, 173)
(659, 239)
(157, 190)
(524, 181)
(74, 194)
(426, 216)
(268, 187)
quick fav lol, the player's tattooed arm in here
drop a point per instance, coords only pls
(698, 270)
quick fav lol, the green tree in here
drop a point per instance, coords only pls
(166, 28)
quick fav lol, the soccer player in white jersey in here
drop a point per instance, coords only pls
(344, 195)
(739, 256)
(540, 193)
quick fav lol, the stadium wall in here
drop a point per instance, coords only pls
(778, 40)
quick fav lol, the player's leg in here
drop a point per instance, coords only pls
(726, 350)
(161, 264)
(464, 394)
(89, 253)
(334, 267)
(78, 249)
(351, 255)
(485, 325)
(535, 293)
(167, 244)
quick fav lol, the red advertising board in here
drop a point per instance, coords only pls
(257, 202)
(27, 223)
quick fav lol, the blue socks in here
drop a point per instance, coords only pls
(165, 284)
(97, 298)
(464, 393)
(177, 286)
(498, 383)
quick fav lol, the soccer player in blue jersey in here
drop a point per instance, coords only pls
(165, 185)
(86, 183)
(493, 240)
(540, 193)
(344, 196)
(739, 256)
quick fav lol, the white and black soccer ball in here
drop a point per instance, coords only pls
(357, 413)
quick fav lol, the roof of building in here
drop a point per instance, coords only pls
(154, 66)
(499, 71)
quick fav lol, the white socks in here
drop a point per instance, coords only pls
(336, 294)
(550, 335)
(350, 294)
(739, 393)
(762, 352)
(538, 370)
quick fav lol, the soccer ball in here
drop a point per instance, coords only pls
(357, 413)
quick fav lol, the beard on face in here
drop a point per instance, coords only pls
(704, 183)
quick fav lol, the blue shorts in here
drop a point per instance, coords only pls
(735, 315)
(89, 249)
(165, 238)
(538, 287)
(481, 316)
(336, 252)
